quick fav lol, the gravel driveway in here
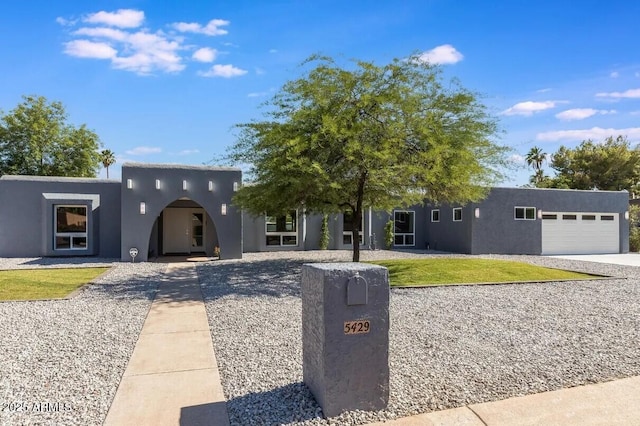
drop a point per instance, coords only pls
(449, 346)
(61, 361)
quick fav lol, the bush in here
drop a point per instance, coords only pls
(388, 234)
(324, 233)
(634, 228)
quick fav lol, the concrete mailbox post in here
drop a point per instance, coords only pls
(345, 335)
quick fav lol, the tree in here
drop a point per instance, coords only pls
(340, 140)
(535, 157)
(107, 158)
(35, 139)
(612, 165)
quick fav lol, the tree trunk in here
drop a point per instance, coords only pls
(357, 218)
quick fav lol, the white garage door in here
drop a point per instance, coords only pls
(580, 233)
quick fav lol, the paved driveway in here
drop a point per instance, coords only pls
(630, 259)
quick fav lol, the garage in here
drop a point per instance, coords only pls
(580, 233)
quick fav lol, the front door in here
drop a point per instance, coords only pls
(183, 230)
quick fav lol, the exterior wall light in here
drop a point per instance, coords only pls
(539, 213)
(626, 215)
(129, 183)
(143, 207)
(235, 186)
(223, 210)
(184, 185)
(210, 186)
(157, 183)
(476, 212)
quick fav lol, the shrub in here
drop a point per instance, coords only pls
(324, 233)
(634, 228)
(388, 234)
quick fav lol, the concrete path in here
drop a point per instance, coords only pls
(610, 403)
(629, 259)
(172, 377)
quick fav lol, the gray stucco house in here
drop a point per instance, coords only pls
(175, 209)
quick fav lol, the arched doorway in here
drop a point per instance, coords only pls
(183, 227)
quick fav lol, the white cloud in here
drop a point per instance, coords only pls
(516, 159)
(582, 113)
(226, 71)
(257, 94)
(445, 54)
(102, 32)
(189, 151)
(528, 108)
(123, 18)
(66, 22)
(205, 54)
(113, 36)
(89, 49)
(260, 71)
(143, 150)
(631, 93)
(211, 29)
(614, 74)
(545, 90)
(595, 133)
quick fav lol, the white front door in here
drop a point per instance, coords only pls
(183, 230)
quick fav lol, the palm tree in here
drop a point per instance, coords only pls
(108, 158)
(535, 157)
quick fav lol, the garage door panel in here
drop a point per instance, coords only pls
(587, 233)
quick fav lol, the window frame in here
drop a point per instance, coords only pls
(525, 210)
(71, 235)
(283, 237)
(454, 210)
(436, 220)
(405, 235)
(349, 234)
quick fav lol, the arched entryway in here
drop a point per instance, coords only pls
(183, 227)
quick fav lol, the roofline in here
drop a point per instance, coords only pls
(178, 166)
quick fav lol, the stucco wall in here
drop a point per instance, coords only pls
(27, 215)
(137, 228)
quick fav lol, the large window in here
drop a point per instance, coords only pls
(435, 215)
(347, 229)
(70, 228)
(282, 230)
(524, 213)
(404, 229)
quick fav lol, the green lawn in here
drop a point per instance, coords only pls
(447, 271)
(30, 284)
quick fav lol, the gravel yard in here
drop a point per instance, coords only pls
(449, 346)
(61, 361)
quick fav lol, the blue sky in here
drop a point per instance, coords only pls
(165, 81)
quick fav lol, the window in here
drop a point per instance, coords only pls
(282, 230)
(70, 228)
(549, 216)
(457, 214)
(435, 215)
(588, 217)
(347, 228)
(569, 217)
(524, 213)
(606, 217)
(404, 229)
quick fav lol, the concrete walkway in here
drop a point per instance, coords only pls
(609, 403)
(172, 377)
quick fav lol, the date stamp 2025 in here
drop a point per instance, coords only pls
(34, 407)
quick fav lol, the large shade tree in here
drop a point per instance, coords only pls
(612, 165)
(36, 139)
(341, 139)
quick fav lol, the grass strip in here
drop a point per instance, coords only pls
(450, 271)
(45, 283)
